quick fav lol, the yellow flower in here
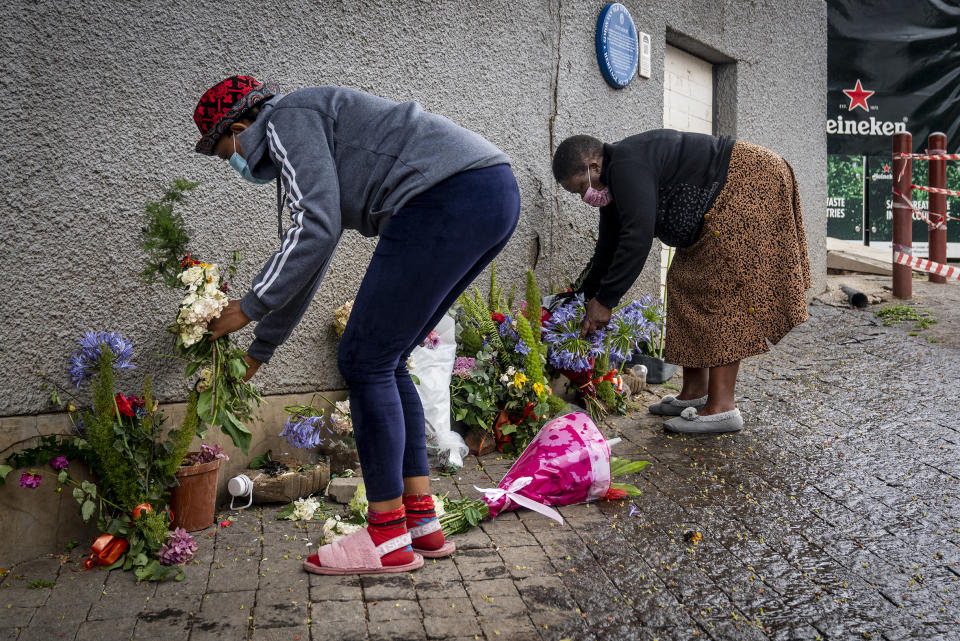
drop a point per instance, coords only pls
(519, 379)
(538, 388)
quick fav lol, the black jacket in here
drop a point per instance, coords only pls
(662, 183)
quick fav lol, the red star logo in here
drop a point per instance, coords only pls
(858, 97)
(886, 169)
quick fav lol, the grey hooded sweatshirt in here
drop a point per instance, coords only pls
(348, 160)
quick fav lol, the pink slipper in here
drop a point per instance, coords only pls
(446, 549)
(356, 554)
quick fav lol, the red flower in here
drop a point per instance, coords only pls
(188, 262)
(497, 316)
(615, 493)
(123, 404)
(544, 315)
(143, 508)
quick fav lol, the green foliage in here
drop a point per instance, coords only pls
(4, 470)
(556, 404)
(623, 467)
(532, 361)
(181, 439)
(534, 305)
(495, 294)
(461, 515)
(153, 527)
(225, 400)
(37, 584)
(472, 400)
(901, 313)
(164, 236)
(116, 471)
(50, 446)
(359, 504)
(470, 341)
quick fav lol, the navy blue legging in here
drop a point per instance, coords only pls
(428, 253)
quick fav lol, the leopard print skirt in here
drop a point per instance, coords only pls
(743, 282)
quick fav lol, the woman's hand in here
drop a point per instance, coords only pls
(231, 319)
(252, 366)
(597, 316)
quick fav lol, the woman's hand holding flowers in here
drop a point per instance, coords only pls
(252, 366)
(230, 320)
(597, 316)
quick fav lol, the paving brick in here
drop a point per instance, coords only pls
(444, 627)
(396, 630)
(386, 587)
(119, 629)
(338, 611)
(335, 588)
(393, 609)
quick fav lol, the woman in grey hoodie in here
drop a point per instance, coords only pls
(443, 202)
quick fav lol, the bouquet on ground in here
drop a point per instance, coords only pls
(309, 427)
(122, 439)
(220, 396)
(592, 363)
(498, 382)
(568, 462)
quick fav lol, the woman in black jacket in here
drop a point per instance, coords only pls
(737, 281)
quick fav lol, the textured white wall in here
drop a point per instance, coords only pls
(97, 119)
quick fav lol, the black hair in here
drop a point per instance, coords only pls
(573, 154)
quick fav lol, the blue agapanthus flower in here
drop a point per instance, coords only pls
(85, 361)
(303, 432)
(521, 347)
(506, 329)
(568, 350)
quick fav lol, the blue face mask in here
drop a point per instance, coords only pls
(239, 163)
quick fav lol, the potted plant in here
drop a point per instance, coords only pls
(132, 457)
(194, 499)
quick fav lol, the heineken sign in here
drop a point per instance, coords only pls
(892, 67)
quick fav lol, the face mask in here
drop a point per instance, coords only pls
(596, 197)
(239, 163)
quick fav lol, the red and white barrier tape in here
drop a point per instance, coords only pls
(937, 190)
(924, 265)
(927, 156)
(924, 215)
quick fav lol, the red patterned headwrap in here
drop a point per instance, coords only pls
(220, 106)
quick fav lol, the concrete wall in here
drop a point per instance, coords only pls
(97, 120)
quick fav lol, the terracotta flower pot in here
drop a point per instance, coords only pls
(194, 501)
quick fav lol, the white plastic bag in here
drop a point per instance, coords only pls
(433, 367)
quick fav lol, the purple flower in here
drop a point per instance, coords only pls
(634, 511)
(206, 454)
(506, 329)
(432, 341)
(463, 366)
(178, 549)
(30, 481)
(303, 431)
(59, 463)
(85, 361)
(521, 347)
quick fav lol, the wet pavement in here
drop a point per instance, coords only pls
(833, 515)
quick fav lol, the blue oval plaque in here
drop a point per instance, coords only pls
(617, 46)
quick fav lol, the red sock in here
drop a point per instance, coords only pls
(422, 522)
(384, 526)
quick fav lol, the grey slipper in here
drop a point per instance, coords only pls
(672, 406)
(689, 422)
